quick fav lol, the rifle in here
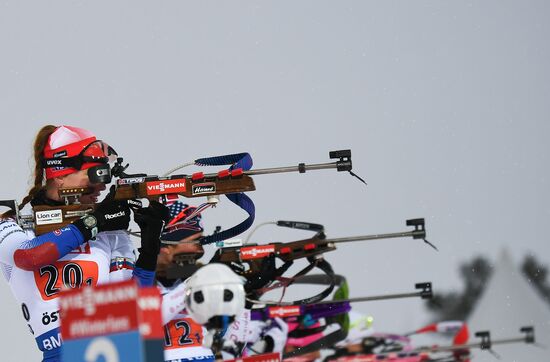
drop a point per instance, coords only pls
(486, 342)
(257, 262)
(232, 182)
(332, 311)
(330, 308)
(460, 351)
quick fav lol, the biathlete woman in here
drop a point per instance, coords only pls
(95, 249)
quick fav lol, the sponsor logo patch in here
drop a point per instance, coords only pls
(130, 180)
(256, 252)
(204, 188)
(48, 217)
(53, 163)
(165, 187)
(114, 216)
(287, 311)
(229, 243)
(135, 203)
(48, 318)
(60, 154)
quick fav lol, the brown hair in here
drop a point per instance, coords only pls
(39, 144)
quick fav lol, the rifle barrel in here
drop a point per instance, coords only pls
(385, 297)
(346, 301)
(508, 340)
(426, 292)
(469, 345)
(318, 166)
(414, 234)
(302, 168)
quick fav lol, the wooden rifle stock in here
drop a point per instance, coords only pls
(253, 255)
(48, 218)
(197, 185)
(44, 216)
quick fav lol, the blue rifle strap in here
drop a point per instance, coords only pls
(237, 160)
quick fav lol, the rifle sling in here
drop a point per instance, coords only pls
(329, 278)
(238, 160)
(321, 279)
(245, 203)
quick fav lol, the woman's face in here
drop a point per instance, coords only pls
(80, 179)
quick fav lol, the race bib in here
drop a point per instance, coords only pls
(51, 279)
(181, 333)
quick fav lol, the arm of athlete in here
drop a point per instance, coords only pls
(11, 239)
(173, 303)
(50, 247)
(151, 221)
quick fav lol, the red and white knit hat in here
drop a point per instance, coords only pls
(69, 141)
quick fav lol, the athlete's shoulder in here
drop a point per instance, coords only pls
(12, 237)
(9, 228)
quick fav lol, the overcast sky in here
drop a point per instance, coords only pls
(445, 106)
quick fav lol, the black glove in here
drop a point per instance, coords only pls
(109, 215)
(151, 221)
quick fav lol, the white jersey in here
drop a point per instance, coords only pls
(110, 257)
(183, 337)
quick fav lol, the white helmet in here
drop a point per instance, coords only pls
(214, 291)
